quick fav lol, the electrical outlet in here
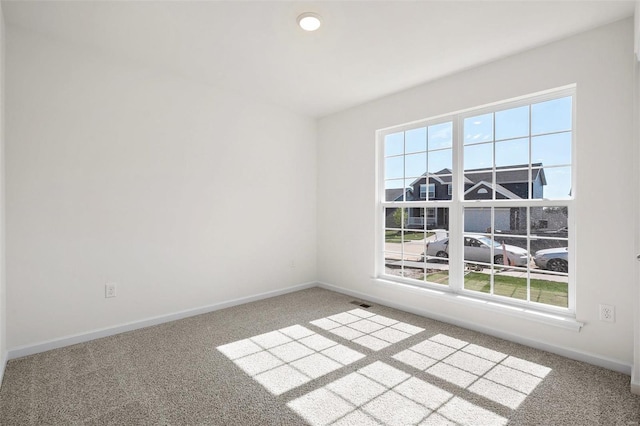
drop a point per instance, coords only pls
(607, 313)
(110, 290)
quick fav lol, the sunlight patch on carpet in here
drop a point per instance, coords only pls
(367, 329)
(499, 377)
(381, 394)
(284, 359)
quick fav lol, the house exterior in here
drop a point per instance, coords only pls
(512, 183)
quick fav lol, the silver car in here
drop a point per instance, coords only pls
(477, 248)
(553, 259)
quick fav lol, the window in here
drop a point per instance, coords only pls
(503, 227)
(432, 191)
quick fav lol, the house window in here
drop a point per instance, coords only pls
(428, 190)
(511, 220)
(432, 191)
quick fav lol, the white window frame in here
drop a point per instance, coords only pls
(457, 204)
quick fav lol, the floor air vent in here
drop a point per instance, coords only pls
(361, 304)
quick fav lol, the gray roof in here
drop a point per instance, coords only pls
(508, 174)
(393, 194)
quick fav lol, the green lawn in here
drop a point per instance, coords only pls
(439, 278)
(542, 291)
(396, 236)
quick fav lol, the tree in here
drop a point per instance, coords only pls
(398, 219)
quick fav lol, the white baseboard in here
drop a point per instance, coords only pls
(4, 357)
(590, 358)
(600, 361)
(635, 380)
(121, 328)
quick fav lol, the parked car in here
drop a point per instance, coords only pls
(553, 259)
(477, 248)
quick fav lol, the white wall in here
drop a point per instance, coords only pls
(601, 63)
(182, 194)
(3, 299)
(635, 377)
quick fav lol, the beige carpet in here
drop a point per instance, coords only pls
(310, 357)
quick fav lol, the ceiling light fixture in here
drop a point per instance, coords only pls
(309, 21)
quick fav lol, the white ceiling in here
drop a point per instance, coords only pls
(364, 50)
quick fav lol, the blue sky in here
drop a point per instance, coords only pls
(542, 129)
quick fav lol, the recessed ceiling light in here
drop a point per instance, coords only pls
(309, 21)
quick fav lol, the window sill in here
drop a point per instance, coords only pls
(553, 319)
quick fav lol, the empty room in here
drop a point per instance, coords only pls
(320, 212)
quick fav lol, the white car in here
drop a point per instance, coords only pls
(477, 248)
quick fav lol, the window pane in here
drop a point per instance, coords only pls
(441, 136)
(478, 248)
(394, 190)
(442, 187)
(551, 150)
(477, 279)
(553, 258)
(550, 289)
(478, 156)
(393, 264)
(393, 243)
(511, 251)
(440, 160)
(512, 153)
(478, 186)
(415, 164)
(416, 218)
(394, 218)
(512, 284)
(477, 219)
(394, 144)
(558, 182)
(414, 187)
(414, 271)
(549, 222)
(438, 274)
(511, 221)
(478, 129)
(394, 167)
(437, 219)
(414, 237)
(551, 116)
(512, 184)
(416, 140)
(437, 248)
(512, 123)
(550, 254)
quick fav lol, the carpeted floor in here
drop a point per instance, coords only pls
(310, 357)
